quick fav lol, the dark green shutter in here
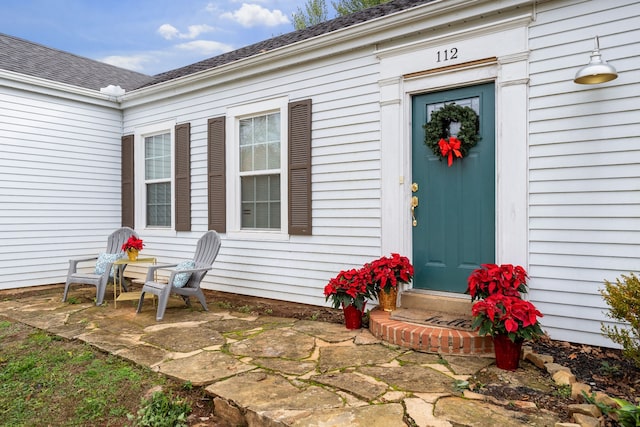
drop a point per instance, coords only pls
(183, 177)
(216, 179)
(127, 196)
(300, 167)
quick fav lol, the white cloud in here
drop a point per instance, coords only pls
(251, 15)
(170, 32)
(133, 62)
(205, 47)
(196, 30)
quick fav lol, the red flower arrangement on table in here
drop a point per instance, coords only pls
(133, 243)
(499, 308)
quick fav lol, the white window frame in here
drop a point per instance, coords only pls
(234, 211)
(140, 185)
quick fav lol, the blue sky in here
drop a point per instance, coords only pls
(148, 36)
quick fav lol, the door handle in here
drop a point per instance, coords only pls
(414, 205)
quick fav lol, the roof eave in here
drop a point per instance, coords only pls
(339, 41)
(333, 43)
(59, 90)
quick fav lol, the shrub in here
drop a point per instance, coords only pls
(623, 298)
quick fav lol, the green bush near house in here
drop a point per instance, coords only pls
(623, 298)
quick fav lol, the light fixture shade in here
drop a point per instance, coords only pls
(597, 70)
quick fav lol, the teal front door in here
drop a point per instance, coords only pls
(454, 227)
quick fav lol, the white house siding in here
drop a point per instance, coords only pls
(345, 177)
(584, 222)
(59, 181)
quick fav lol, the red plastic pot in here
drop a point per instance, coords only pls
(507, 352)
(352, 317)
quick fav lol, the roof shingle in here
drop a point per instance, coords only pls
(25, 57)
(36, 60)
(289, 38)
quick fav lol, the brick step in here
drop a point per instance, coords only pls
(429, 339)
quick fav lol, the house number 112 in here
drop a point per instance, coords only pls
(447, 54)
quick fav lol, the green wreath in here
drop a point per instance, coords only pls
(438, 128)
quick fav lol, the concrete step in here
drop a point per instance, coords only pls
(412, 299)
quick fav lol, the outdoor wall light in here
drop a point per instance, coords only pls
(597, 70)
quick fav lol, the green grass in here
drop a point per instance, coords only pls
(46, 380)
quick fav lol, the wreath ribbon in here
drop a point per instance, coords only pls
(448, 149)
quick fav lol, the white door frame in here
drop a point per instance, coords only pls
(509, 71)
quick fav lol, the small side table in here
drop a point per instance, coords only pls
(119, 277)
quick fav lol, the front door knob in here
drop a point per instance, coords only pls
(414, 205)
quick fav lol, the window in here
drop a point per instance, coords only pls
(257, 162)
(154, 204)
(157, 180)
(260, 171)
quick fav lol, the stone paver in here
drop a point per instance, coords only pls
(475, 413)
(364, 388)
(420, 358)
(329, 332)
(363, 416)
(285, 343)
(262, 391)
(184, 339)
(338, 357)
(288, 367)
(421, 413)
(264, 371)
(145, 355)
(465, 365)
(204, 367)
(411, 378)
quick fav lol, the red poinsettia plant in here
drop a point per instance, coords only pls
(387, 272)
(350, 287)
(490, 279)
(355, 286)
(133, 243)
(499, 307)
(507, 314)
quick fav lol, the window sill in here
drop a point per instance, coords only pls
(257, 235)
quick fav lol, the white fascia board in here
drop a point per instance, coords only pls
(56, 89)
(437, 13)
